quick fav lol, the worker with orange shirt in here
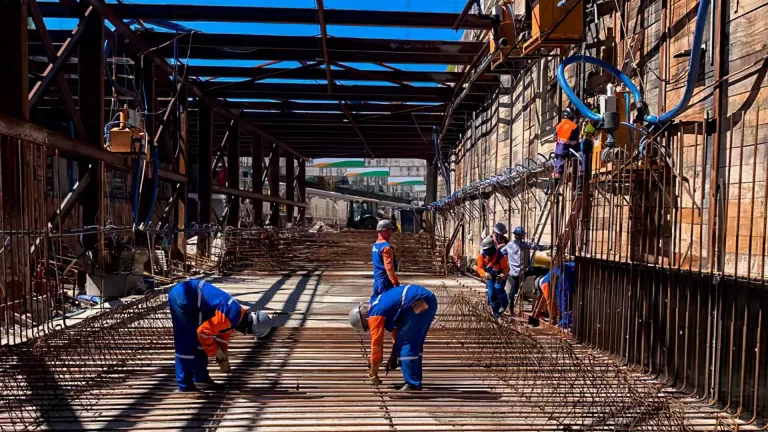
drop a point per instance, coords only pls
(203, 319)
(384, 259)
(566, 139)
(493, 267)
(407, 312)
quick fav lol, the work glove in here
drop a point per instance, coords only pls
(392, 363)
(222, 359)
(487, 276)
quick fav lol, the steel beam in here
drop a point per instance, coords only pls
(76, 149)
(179, 248)
(61, 81)
(149, 51)
(274, 187)
(195, 13)
(302, 184)
(233, 174)
(257, 176)
(364, 108)
(346, 73)
(290, 186)
(255, 196)
(254, 53)
(65, 53)
(324, 42)
(91, 107)
(204, 177)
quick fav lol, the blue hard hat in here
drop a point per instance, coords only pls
(519, 231)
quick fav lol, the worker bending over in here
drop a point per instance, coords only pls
(384, 260)
(519, 257)
(203, 319)
(407, 312)
(566, 139)
(492, 266)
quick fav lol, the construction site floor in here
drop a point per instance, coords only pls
(310, 374)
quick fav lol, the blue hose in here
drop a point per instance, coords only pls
(693, 72)
(577, 103)
(693, 67)
(155, 184)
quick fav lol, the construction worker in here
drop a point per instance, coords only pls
(492, 266)
(566, 139)
(518, 258)
(500, 236)
(384, 259)
(407, 312)
(203, 319)
(586, 144)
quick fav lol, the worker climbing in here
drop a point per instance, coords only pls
(493, 268)
(566, 139)
(384, 260)
(407, 312)
(203, 319)
(519, 257)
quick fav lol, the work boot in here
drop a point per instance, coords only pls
(209, 384)
(407, 387)
(190, 389)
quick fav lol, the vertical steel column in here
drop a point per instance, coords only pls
(91, 100)
(274, 185)
(233, 177)
(257, 177)
(150, 125)
(204, 177)
(13, 102)
(290, 186)
(431, 195)
(179, 249)
(302, 183)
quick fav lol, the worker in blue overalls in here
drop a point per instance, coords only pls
(493, 268)
(203, 319)
(407, 312)
(384, 260)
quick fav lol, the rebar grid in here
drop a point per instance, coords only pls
(592, 394)
(268, 249)
(62, 370)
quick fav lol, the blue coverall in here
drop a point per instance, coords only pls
(497, 267)
(384, 267)
(393, 311)
(203, 318)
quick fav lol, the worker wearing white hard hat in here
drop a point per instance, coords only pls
(407, 312)
(203, 320)
(384, 259)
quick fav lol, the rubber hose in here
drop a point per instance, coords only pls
(693, 67)
(577, 103)
(155, 184)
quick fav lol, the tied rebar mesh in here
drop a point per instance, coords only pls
(62, 371)
(577, 391)
(269, 249)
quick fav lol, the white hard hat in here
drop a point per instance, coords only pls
(385, 224)
(261, 324)
(356, 318)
